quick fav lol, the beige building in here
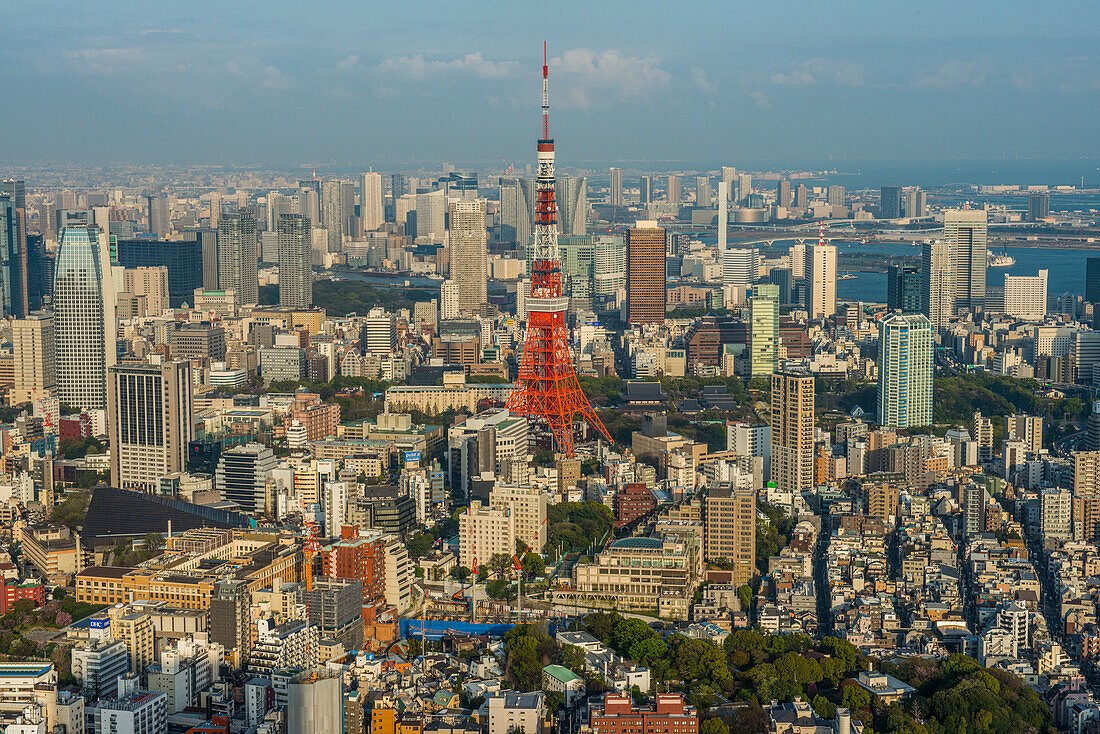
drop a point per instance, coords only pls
(729, 521)
(469, 254)
(528, 507)
(635, 575)
(1026, 428)
(34, 358)
(137, 631)
(822, 264)
(484, 532)
(148, 287)
(792, 420)
(150, 422)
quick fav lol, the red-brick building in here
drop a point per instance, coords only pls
(633, 501)
(74, 426)
(362, 559)
(319, 418)
(619, 715)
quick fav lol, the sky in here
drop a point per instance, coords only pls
(403, 84)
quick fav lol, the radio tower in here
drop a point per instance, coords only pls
(547, 388)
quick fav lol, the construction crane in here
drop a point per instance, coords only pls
(312, 545)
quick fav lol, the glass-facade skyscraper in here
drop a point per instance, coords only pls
(84, 318)
(903, 289)
(184, 260)
(295, 261)
(238, 253)
(905, 371)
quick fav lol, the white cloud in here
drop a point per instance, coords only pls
(348, 62)
(600, 74)
(821, 71)
(953, 74)
(699, 77)
(274, 79)
(474, 64)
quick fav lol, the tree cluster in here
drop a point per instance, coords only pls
(575, 526)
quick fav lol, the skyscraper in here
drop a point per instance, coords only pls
(184, 259)
(1092, 280)
(208, 252)
(1038, 206)
(35, 357)
(763, 341)
(1026, 296)
(905, 371)
(964, 231)
(801, 196)
(517, 211)
(468, 254)
(238, 253)
(159, 219)
(792, 419)
(729, 177)
(9, 256)
(835, 195)
(448, 300)
(723, 215)
(371, 210)
(571, 194)
(18, 250)
(744, 187)
(702, 191)
(672, 193)
(295, 260)
(608, 270)
(903, 289)
(645, 273)
(822, 264)
(729, 522)
(937, 284)
(889, 202)
(398, 185)
(783, 192)
(616, 187)
(916, 203)
(84, 317)
(431, 214)
(645, 191)
(150, 422)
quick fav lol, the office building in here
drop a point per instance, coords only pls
(616, 187)
(645, 191)
(159, 222)
(12, 258)
(937, 284)
(315, 703)
(200, 340)
(821, 261)
(645, 273)
(744, 187)
(889, 202)
(150, 422)
(739, 266)
(571, 196)
(905, 371)
(379, 332)
(238, 254)
(337, 211)
(1038, 206)
(371, 209)
(801, 197)
(517, 211)
(763, 339)
(431, 211)
(184, 260)
(527, 506)
(903, 291)
(34, 351)
(144, 292)
(295, 260)
(1026, 296)
(835, 195)
(242, 476)
(964, 232)
(783, 193)
(792, 423)
(84, 318)
(672, 192)
(702, 192)
(97, 664)
(916, 203)
(449, 300)
(729, 527)
(469, 254)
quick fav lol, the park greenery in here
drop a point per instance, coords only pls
(72, 510)
(341, 297)
(575, 526)
(954, 695)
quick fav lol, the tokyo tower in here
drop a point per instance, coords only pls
(547, 388)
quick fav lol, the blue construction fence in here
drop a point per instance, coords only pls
(435, 629)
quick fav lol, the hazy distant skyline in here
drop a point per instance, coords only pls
(402, 84)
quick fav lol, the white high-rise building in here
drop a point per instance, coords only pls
(1026, 296)
(150, 422)
(430, 215)
(371, 211)
(335, 502)
(739, 266)
(469, 254)
(822, 276)
(379, 334)
(448, 300)
(295, 261)
(616, 187)
(965, 232)
(749, 439)
(905, 371)
(723, 212)
(84, 318)
(797, 259)
(937, 284)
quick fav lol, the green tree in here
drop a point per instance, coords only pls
(714, 725)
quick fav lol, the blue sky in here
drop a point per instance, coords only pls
(388, 84)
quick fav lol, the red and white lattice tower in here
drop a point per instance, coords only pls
(547, 388)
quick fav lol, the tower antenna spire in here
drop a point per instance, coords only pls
(545, 95)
